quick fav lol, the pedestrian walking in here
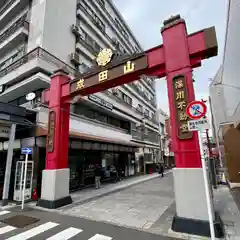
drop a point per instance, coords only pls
(97, 173)
(161, 170)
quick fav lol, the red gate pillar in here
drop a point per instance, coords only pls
(55, 177)
(191, 207)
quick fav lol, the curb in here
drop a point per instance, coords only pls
(81, 202)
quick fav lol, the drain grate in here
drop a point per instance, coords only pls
(20, 221)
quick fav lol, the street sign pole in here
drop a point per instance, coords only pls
(197, 110)
(207, 191)
(24, 181)
(8, 168)
(25, 151)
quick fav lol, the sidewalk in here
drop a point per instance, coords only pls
(230, 215)
(91, 194)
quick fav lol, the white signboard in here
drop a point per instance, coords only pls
(198, 125)
(4, 132)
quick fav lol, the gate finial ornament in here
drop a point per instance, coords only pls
(104, 57)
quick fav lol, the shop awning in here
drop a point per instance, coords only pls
(10, 114)
(42, 131)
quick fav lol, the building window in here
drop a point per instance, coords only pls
(121, 29)
(90, 41)
(102, 2)
(12, 59)
(98, 22)
(127, 99)
(146, 113)
(147, 95)
(101, 117)
(161, 129)
(140, 108)
(124, 97)
(83, 68)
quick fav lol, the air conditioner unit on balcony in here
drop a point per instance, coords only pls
(78, 47)
(75, 30)
(115, 42)
(78, 13)
(74, 58)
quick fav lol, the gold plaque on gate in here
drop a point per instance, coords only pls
(104, 57)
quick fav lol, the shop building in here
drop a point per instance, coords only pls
(225, 97)
(35, 41)
(162, 117)
(169, 161)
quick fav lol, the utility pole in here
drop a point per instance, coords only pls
(8, 168)
(212, 164)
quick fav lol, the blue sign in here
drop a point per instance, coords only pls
(27, 150)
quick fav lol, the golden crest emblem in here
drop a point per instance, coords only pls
(104, 57)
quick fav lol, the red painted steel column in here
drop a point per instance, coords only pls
(177, 60)
(58, 134)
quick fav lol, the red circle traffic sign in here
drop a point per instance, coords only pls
(196, 109)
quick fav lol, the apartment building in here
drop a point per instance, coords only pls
(38, 37)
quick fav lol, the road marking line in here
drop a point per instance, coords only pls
(6, 229)
(4, 212)
(100, 237)
(66, 234)
(34, 231)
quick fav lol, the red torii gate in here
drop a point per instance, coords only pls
(175, 59)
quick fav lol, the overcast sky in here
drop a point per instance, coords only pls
(145, 18)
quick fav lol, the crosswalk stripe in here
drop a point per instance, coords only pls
(34, 231)
(6, 229)
(66, 234)
(100, 237)
(4, 212)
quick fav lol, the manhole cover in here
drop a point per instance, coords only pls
(20, 221)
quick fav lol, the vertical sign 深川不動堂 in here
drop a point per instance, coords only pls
(51, 131)
(181, 102)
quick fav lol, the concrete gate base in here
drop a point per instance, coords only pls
(197, 227)
(191, 205)
(55, 189)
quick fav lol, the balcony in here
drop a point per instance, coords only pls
(139, 135)
(83, 125)
(21, 71)
(92, 47)
(142, 94)
(151, 121)
(9, 9)
(3, 3)
(88, 19)
(13, 36)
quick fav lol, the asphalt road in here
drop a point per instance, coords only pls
(54, 226)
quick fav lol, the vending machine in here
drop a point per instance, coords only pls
(19, 181)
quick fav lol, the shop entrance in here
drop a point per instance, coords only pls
(10, 116)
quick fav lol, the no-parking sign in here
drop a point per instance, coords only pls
(196, 109)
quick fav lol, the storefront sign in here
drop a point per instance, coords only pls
(76, 144)
(4, 132)
(51, 131)
(96, 146)
(87, 145)
(100, 101)
(181, 102)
